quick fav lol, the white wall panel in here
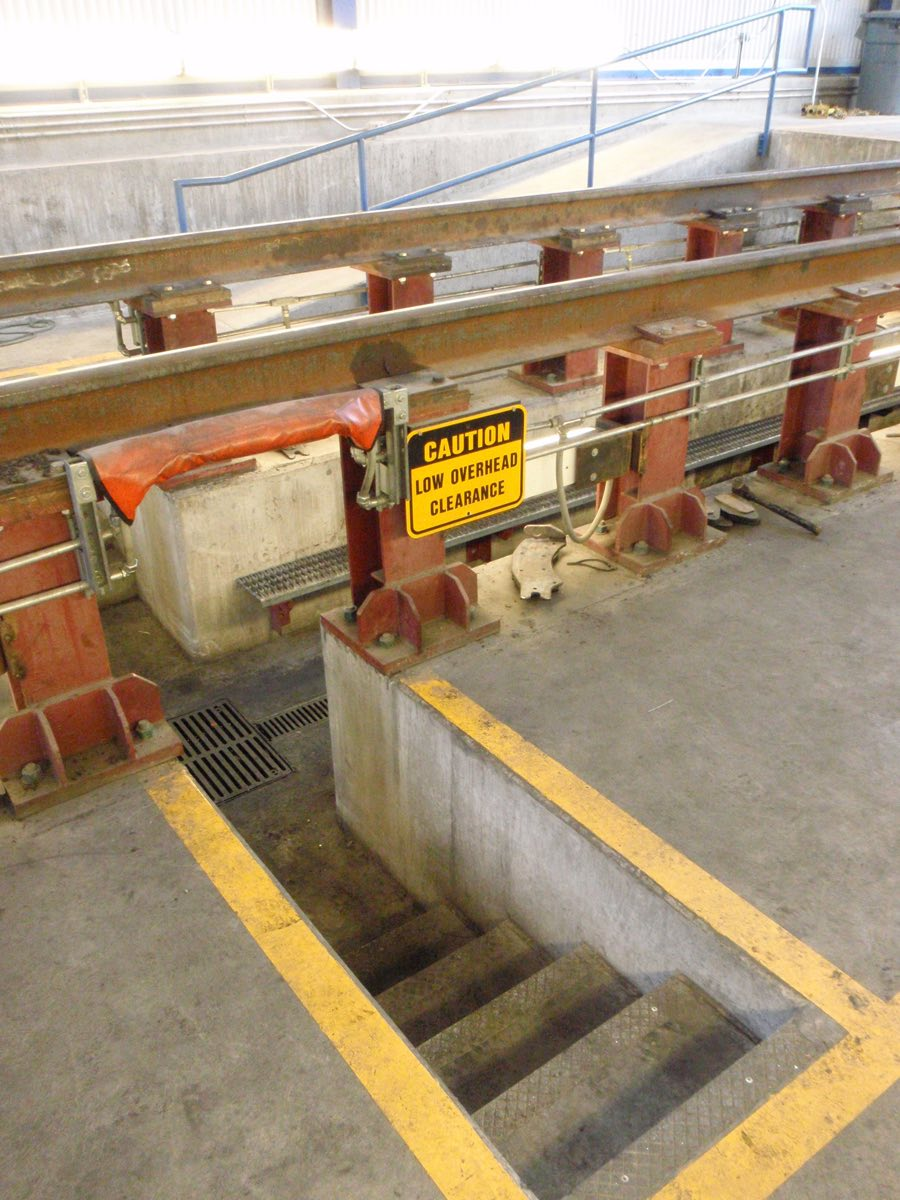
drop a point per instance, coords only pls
(644, 22)
(116, 41)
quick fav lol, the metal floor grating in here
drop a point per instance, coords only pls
(310, 712)
(299, 577)
(225, 753)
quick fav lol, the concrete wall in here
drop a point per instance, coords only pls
(89, 173)
(193, 543)
(451, 823)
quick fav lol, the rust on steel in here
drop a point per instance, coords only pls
(54, 279)
(114, 399)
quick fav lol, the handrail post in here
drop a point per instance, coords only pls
(181, 208)
(592, 144)
(765, 137)
(363, 177)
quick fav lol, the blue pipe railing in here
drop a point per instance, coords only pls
(591, 137)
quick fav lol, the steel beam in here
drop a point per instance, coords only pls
(98, 403)
(54, 279)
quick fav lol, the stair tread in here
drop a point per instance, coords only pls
(648, 1163)
(497, 1045)
(561, 1122)
(461, 982)
(409, 947)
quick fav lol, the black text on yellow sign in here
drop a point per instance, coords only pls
(464, 469)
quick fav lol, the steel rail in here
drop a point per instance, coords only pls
(110, 400)
(53, 279)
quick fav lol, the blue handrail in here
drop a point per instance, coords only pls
(360, 138)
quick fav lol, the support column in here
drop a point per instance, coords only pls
(657, 519)
(822, 451)
(75, 725)
(179, 315)
(836, 218)
(575, 254)
(408, 604)
(403, 280)
(719, 233)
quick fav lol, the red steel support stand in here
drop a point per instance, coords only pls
(408, 604)
(714, 236)
(177, 316)
(822, 451)
(76, 725)
(836, 218)
(658, 520)
(575, 254)
(403, 280)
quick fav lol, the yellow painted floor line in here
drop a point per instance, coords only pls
(794, 1124)
(798, 965)
(761, 1153)
(436, 1130)
(54, 367)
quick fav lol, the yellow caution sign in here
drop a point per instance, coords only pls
(464, 469)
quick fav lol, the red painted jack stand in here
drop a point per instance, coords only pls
(408, 604)
(575, 254)
(822, 451)
(716, 235)
(836, 218)
(658, 521)
(403, 280)
(76, 726)
(175, 316)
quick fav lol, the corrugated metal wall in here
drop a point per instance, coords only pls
(636, 23)
(160, 39)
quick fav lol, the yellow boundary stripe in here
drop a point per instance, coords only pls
(785, 1132)
(436, 1130)
(798, 965)
(777, 1139)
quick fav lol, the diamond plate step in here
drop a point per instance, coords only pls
(299, 577)
(409, 948)
(487, 1052)
(562, 1122)
(645, 1166)
(456, 985)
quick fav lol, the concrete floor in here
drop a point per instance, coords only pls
(149, 1049)
(743, 705)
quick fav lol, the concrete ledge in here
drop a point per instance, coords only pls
(454, 823)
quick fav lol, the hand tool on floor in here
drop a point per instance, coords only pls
(741, 489)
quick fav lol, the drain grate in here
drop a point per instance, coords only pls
(225, 753)
(310, 712)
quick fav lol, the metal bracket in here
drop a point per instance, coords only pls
(849, 202)
(866, 291)
(671, 331)
(385, 463)
(92, 550)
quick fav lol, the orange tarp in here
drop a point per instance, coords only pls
(127, 469)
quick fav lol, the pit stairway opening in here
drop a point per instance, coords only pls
(587, 1088)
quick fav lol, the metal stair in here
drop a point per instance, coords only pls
(590, 1090)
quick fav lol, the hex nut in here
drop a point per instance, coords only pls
(641, 548)
(144, 730)
(387, 640)
(30, 775)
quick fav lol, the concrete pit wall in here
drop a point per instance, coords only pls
(101, 172)
(454, 824)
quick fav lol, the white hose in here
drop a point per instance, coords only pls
(599, 515)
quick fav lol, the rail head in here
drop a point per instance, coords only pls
(456, 337)
(48, 280)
